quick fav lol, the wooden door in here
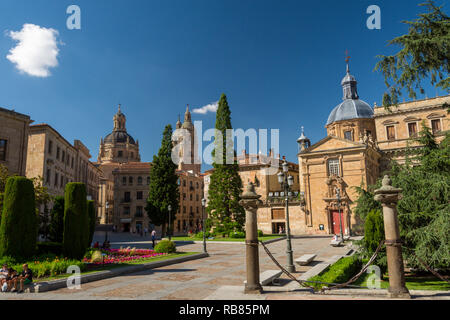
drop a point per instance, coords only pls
(335, 222)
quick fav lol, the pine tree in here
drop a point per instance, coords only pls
(226, 184)
(57, 220)
(425, 54)
(18, 229)
(163, 189)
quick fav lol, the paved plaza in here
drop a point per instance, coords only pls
(220, 276)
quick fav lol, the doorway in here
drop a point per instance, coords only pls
(335, 222)
(276, 227)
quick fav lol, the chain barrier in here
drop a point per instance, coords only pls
(436, 274)
(333, 285)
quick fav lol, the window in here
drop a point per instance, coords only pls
(61, 184)
(50, 146)
(130, 180)
(333, 167)
(348, 135)
(184, 196)
(139, 211)
(126, 211)
(184, 209)
(120, 154)
(49, 176)
(436, 125)
(139, 181)
(390, 133)
(127, 197)
(196, 185)
(190, 196)
(3, 150)
(412, 129)
(72, 163)
(124, 181)
(57, 153)
(56, 180)
(139, 195)
(148, 180)
(196, 197)
(63, 156)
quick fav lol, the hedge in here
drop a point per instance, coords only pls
(165, 246)
(91, 216)
(341, 271)
(49, 247)
(76, 221)
(19, 225)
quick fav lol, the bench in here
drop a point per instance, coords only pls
(269, 277)
(336, 243)
(305, 259)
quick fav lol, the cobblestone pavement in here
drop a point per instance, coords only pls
(216, 277)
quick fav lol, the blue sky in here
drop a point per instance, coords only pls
(280, 63)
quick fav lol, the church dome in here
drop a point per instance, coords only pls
(350, 109)
(119, 136)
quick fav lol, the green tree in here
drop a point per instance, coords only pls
(423, 210)
(163, 188)
(42, 200)
(18, 229)
(4, 175)
(425, 53)
(373, 235)
(92, 221)
(57, 220)
(76, 221)
(226, 184)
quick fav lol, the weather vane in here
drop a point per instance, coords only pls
(347, 57)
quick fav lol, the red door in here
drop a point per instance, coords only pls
(335, 222)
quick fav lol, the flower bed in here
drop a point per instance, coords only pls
(115, 256)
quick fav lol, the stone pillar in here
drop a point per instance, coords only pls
(250, 201)
(389, 196)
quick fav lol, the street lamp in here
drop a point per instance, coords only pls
(286, 182)
(203, 224)
(338, 196)
(169, 207)
(107, 220)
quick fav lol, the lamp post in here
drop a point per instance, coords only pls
(338, 196)
(286, 181)
(203, 224)
(169, 207)
(107, 220)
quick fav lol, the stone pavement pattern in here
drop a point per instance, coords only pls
(216, 277)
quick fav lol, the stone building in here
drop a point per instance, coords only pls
(58, 162)
(125, 180)
(14, 140)
(397, 126)
(359, 144)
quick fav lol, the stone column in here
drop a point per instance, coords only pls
(389, 196)
(250, 201)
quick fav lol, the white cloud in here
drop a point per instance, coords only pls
(36, 51)
(212, 107)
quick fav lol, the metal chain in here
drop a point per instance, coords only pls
(334, 285)
(427, 266)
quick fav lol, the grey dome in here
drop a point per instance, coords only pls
(350, 109)
(119, 136)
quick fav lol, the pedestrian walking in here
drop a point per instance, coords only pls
(153, 238)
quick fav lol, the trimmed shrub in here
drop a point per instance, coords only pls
(199, 235)
(1, 204)
(237, 235)
(165, 246)
(260, 233)
(91, 216)
(76, 222)
(373, 230)
(57, 221)
(18, 229)
(49, 247)
(339, 272)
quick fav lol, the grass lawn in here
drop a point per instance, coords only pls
(263, 238)
(118, 265)
(412, 283)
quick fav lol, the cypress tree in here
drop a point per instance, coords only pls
(163, 188)
(18, 229)
(91, 216)
(76, 224)
(57, 221)
(226, 184)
